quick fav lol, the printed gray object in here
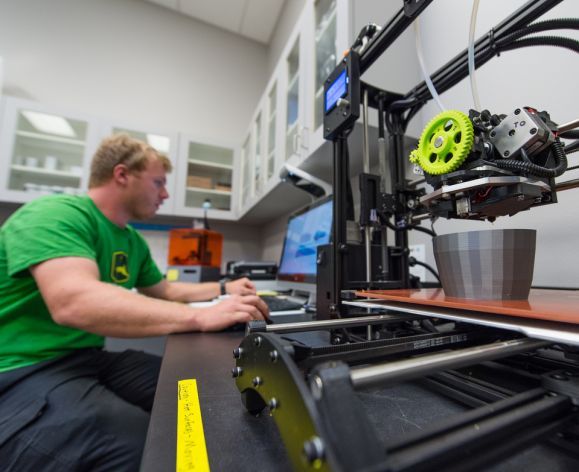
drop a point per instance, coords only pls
(489, 265)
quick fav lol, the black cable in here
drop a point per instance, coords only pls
(412, 261)
(566, 43)
(547, 25)
(573, 147)
(533, 169)
(422, 229)
(408, 227)
(482, 56)
(525, 156)
(571, 134)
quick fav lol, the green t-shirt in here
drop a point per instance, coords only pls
(48, 228)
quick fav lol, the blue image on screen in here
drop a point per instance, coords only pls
(305, 232)
(337, 90)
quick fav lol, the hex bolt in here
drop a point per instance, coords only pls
(533, 130)
(273, 404)
(236, 372)
(237, 352)
(512, 132)
(274, 356)
(559, 377)
(317, 387)
(506, 153)
(517, 111)
(257, 381)
(313, 449)
(493, 134)
(257, 341)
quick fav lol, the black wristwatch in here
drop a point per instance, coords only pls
(222, 288)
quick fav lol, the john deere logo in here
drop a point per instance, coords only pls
(119, 267)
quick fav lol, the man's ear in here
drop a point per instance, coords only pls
(121, 174)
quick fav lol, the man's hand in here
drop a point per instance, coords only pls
(242, 286)
(232, 310)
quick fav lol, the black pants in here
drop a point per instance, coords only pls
(87, 411)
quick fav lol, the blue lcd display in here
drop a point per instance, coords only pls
(337, 90)
(305, 232)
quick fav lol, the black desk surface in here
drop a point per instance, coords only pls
(238, 441)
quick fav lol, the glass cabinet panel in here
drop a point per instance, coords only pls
(48, 153)
(257, 157)
(245, 172)
(209, 176)
(271, 109)
(325, 51)
(156, 141)
(293, 96)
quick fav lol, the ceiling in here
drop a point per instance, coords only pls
(254, 19)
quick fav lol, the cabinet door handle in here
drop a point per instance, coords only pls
(304, 138)
(295, 142)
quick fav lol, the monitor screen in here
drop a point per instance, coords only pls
(306, 230)
(337, 90)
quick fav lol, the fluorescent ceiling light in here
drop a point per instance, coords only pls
(50, 124)
(160, 143)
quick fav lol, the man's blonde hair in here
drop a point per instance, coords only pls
(122, 149)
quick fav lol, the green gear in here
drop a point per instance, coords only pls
(445, 143)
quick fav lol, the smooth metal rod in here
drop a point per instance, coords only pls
(327, 324)
(364, 377)
(366, 167)
(366, 141)
(567, 185)
(569, 126)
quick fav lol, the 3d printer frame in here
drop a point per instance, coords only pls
(522, 390)
(394, 113)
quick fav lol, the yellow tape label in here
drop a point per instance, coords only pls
(191, 448)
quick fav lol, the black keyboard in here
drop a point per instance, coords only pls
(275, 303)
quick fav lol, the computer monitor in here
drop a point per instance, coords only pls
(306, 230)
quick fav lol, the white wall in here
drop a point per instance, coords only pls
(542, 77)
(138, 64)
(132, 61)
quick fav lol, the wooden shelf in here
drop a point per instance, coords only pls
(210, 164)
(208, 190)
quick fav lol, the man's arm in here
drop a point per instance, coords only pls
(77, 298)
(190, 292)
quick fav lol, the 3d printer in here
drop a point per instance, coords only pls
(520, 377)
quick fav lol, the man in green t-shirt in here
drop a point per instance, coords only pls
(67, 267)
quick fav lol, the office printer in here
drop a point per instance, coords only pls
(254, 270)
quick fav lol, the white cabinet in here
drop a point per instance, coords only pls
(164, 142)
(246, 174)
(43, 150)
(206, 175)
(261, 152)
(330, 24)
(290, 109)
(293, 70)
(272, 135)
